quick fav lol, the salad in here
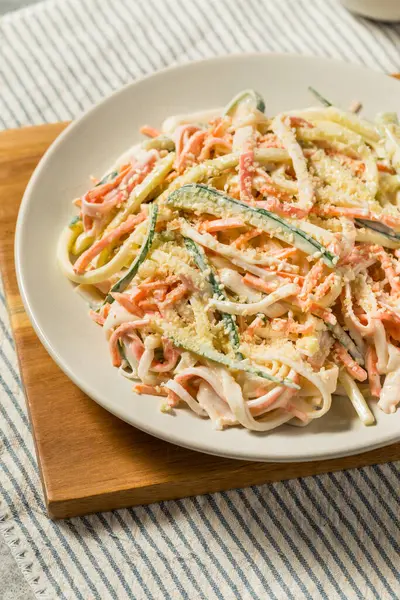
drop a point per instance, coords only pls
(246, 266)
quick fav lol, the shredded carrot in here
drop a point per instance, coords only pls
(246, 237)
(374, 379)
(299, 122)
(153, 390)
(151, 132)
(311, 280)
(127, 302)
(257, 323)
(255, 282)
(175, 295)
(101, 190)
(340, 354)
(96, 317)
(323, 313)
(127, 227)
(214, 142)
(325, 286)
(385, 169)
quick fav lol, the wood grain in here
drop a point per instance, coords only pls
(89, 460)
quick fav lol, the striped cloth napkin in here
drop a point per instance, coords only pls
(331, 536)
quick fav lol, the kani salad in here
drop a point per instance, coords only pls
(246, 265)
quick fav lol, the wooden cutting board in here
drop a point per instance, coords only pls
(89, 460)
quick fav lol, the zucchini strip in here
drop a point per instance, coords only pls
(202, 199)
(250, 96)
(208, 353)
(143, 190)
(201, 261)
(379, 228)
(123, 283)
(343, 338)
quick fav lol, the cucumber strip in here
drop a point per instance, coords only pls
(123, 283)
(202, 199)
(250, 96)
(211, 354)
(379, 228)
(343, 338)
(318, 96)
(201, 261)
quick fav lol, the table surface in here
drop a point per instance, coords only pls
(359, 41)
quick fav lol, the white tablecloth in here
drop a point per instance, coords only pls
(333, 536)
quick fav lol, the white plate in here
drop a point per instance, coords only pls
(89, 146)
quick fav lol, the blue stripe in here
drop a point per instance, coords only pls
(21, 105)
(309, 570)
(293, 30)
(221, 543)
(228, 29)
(352, 29)
(378, 494)
(34, 519)
(90, 31)
(28, 536)
(39, 501)
(110, 559)
(59, 32)
(125, 555)
(180, 534)
(17, 122)
(15, 402)
(126, 47)
(271, 40)
(210, 25)
(10, 368)
(143, 555)
(271, 540)
(320, 534)
(378, 470)
(368, 531)
(7, 333)
(239, 19)
(96, 565)
(145, 38)
(372, 32)
(254, 540)
(41, 29)
(95, 79)
(153, 17)
(16, 70)
(150, 541)
(317, 23)
(124, 75)
(342, 520)
(43, 68)
(305, 538)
